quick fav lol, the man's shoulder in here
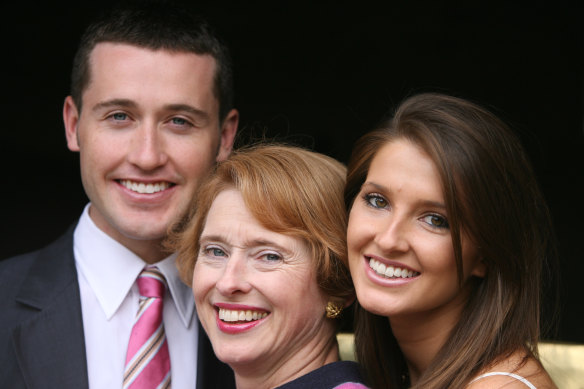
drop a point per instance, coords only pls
(15, 269)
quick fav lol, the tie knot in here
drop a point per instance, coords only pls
(151, 282)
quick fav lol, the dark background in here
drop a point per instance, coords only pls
(323, 74)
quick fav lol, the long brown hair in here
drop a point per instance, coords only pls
(492, 194)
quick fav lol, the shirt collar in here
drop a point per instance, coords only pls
(111, 269)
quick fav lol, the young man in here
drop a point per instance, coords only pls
(150, 113)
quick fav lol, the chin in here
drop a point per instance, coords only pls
(234, 357)
(371, 304)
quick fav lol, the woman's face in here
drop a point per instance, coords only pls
(400, 249)
(256, 290)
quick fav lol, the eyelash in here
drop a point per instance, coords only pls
(172, 121)
(266, 255)
(185, 122)
(219, 252)
(374, 196)
(436, 216)
(113, 116)
(212, 251)
(370, 197)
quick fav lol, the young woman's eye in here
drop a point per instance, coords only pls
(436, 221)
(375, 200)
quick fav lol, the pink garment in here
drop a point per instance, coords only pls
(351, 385)
(147, 359)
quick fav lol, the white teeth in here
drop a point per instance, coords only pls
(390, 271)
(145, 188)
(248, 315)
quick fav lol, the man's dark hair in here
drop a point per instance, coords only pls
(155, 25)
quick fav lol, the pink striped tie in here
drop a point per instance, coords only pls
(147, 359)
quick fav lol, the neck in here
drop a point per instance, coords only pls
(151, 252)
(271, 374)
(150, 249)
(421, 336)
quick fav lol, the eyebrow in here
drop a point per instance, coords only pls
(251, 243)
(199, 113)
(114, 103)
(127, 103)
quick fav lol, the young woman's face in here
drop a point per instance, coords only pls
(400, 249)
(256, 291)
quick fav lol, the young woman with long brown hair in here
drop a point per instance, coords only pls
(448, 239)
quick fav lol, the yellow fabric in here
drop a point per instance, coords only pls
(346, 346)
(563, 361)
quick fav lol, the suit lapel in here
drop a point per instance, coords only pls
(50, 346)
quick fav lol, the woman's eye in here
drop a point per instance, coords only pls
(215, 251)
(376, 201)
(272, 257)
(436, 221)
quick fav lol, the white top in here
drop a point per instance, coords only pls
(516, 376)
(109, 301)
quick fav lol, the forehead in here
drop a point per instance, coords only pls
(230, 218)
(405, 155)
(402, 165)
(123, 65)
(119, 50)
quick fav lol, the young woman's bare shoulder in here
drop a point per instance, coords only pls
(514, 372)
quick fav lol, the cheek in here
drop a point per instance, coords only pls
(195, 155)
(436, 256)
(203, 282)
(360, 231)
(295, 304)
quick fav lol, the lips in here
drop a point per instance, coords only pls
(238, 321)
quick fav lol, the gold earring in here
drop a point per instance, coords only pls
(333, 310)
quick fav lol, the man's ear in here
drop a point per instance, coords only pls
(71, 120)
(228, 131)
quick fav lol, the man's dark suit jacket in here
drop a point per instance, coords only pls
(41, 328)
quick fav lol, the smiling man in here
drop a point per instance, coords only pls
(150, 113)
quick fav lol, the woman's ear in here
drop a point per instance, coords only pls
(479, 269)
(350, 300)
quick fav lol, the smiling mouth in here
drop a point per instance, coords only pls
(390, 271)
(234, 316)
(142, 188)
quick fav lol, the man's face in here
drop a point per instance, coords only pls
(147, 133)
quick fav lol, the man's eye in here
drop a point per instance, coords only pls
(119, 116)
(179, 121)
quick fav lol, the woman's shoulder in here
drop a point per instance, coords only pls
(519, 370)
